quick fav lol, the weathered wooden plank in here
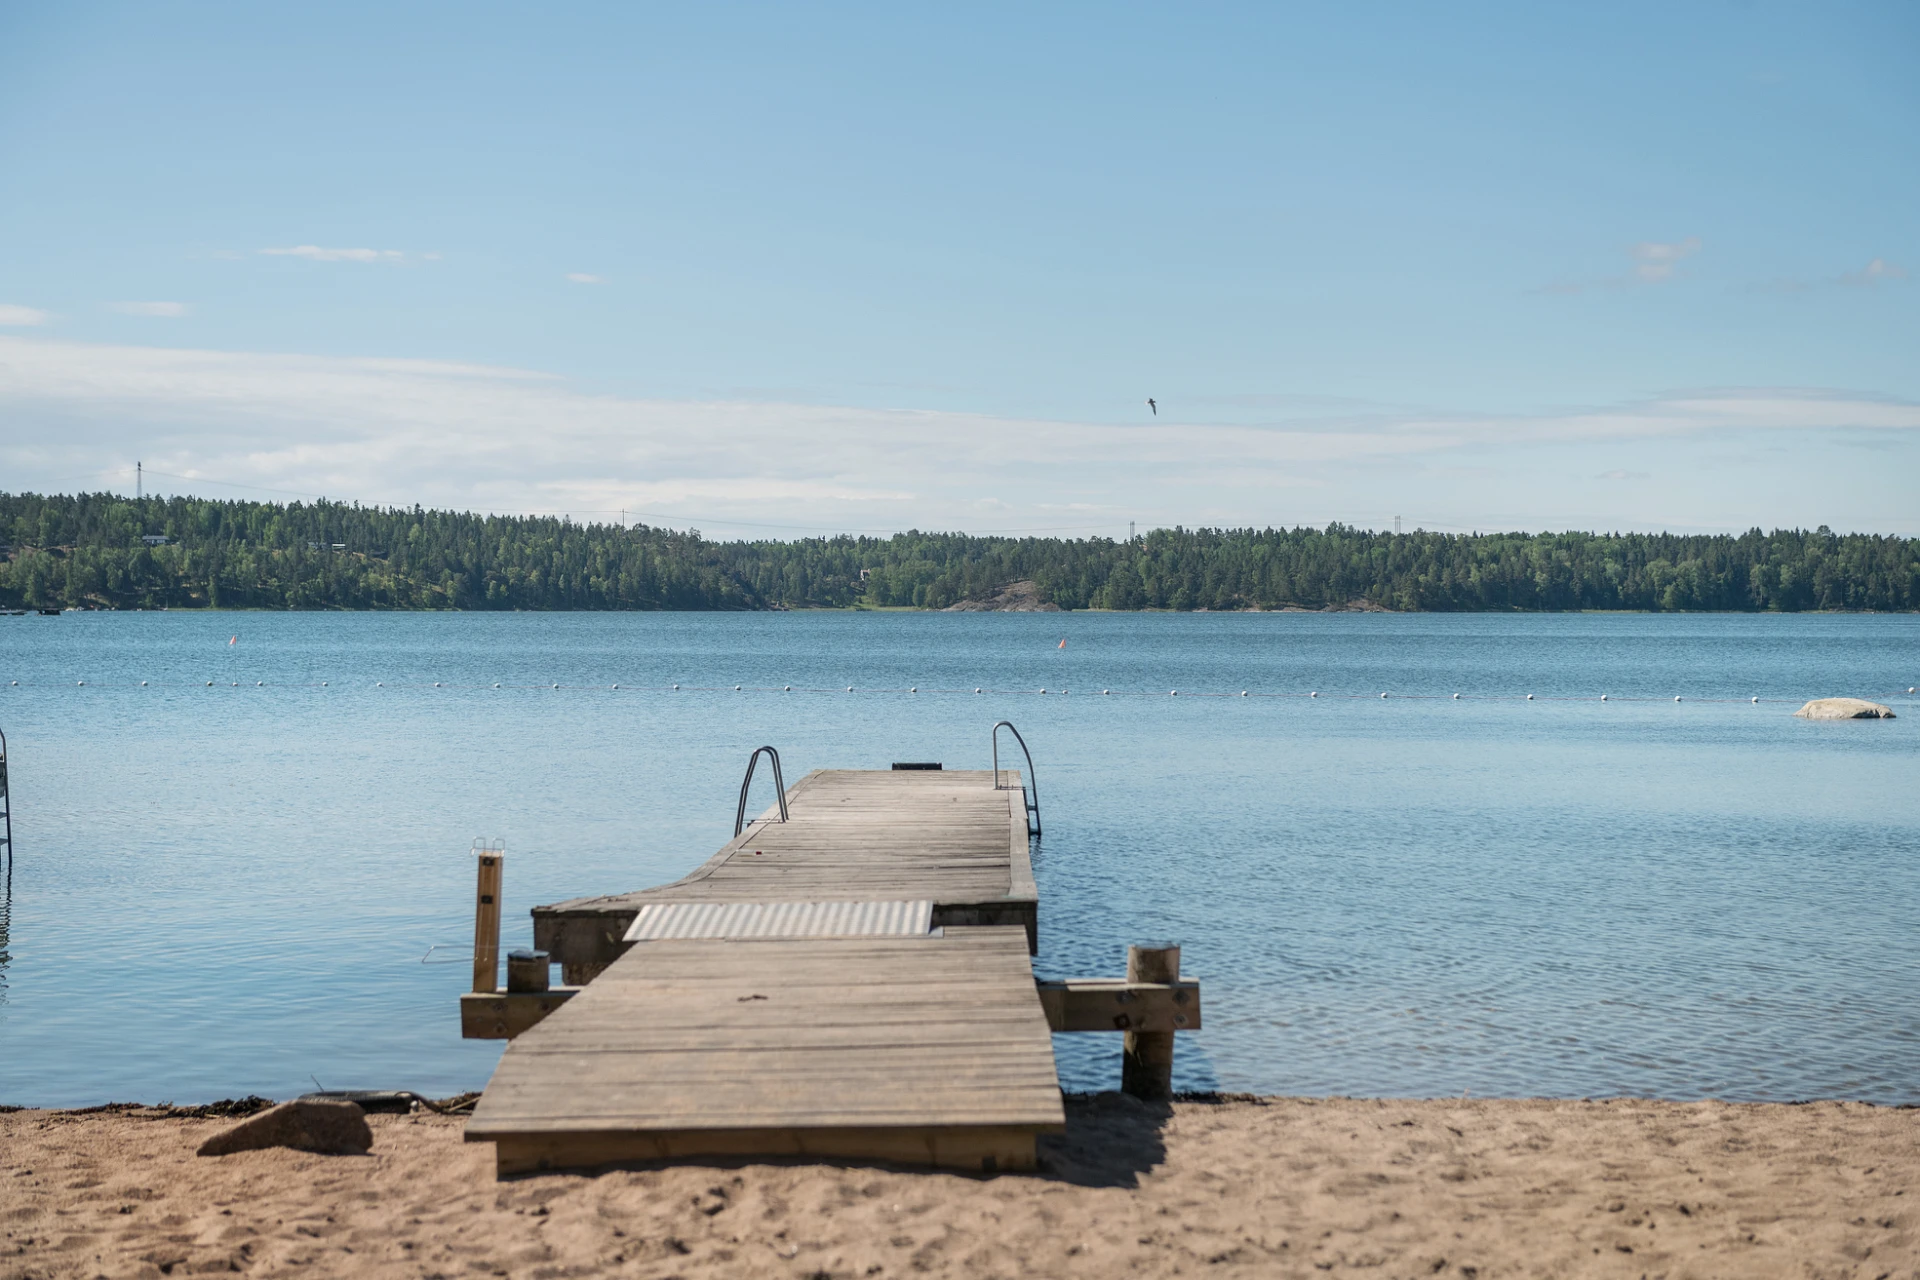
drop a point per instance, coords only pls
(823, 1035)
(980, 1148)
(853, 836)
(1114, 1004)
(502, 1015)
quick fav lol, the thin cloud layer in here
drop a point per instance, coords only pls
(405, 431)
(315, 253)
(584, 277)
(1874, 272)
(12, 313)
(1657, 261)
(161, 310)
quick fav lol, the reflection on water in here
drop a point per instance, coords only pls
(1399, 897)
(6, 921)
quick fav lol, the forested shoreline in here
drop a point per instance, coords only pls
(107, 551)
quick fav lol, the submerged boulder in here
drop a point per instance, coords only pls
(330, 1128)
(1844, 709)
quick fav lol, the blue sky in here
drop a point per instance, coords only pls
(806, 269)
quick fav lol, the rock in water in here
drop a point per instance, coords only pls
(330, 1128)
(1844, 709)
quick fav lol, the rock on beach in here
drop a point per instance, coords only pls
(323, 1126)
(1844, 709)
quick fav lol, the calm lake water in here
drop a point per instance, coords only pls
(222, 890)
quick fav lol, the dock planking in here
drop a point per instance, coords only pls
(927, 1049)
(852, 835)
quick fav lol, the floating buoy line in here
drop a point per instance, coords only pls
(882, 690)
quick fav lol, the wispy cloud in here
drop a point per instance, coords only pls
(1878, 271)
(582, 277)
(12, 313)
(166, 310)
(1619, 474)
(1873, 273)
(1657, 260)
(315, 253)
(1654, 262)
(513, 440)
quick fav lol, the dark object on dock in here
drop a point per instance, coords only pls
(324, 1125)
(528, 971)
(49, 613)
(902, 765)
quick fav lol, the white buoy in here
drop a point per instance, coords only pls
(1529, 697)
(1676, 697)
(323, 684)
(787, 689)
(1106, 693)
(1910, 688)
(82, 682)
(976, 691)
(1603, 697)
(1314, 694)
(379, 684)
(736, 688)
(916, 689)
(209, 684)
(1173, 693)
(436, 684)
(259, 684)
(676, 686)
(1043, 691)
(1756, 699)
(143, 683)
(1456, 697)
(616, 686)
(849, 688)
(16, 683)
(556, 686)
(1243, 693)
(496, 684)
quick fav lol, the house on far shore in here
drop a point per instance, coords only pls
(154, 539)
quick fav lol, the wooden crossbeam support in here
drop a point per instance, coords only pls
(502, 1015)
(1114, 1004)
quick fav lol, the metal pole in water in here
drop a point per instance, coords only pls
(6, 809)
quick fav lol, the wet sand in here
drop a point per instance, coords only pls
(1240, 1187)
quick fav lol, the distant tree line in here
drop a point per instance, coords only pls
(108, 551)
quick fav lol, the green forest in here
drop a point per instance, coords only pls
(106, 551)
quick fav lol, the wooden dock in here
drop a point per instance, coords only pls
(854, 982)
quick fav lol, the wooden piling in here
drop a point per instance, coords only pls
(486, 922)
(1146, 1061)
(528, 971)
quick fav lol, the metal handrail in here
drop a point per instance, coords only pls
(6, 807)
(1033, 805)
(779, 788)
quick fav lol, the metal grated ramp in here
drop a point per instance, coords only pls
(663, 920)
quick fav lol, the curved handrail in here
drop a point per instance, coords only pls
(779, 788)
(1033, 806)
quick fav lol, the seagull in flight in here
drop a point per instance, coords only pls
(1151, 405)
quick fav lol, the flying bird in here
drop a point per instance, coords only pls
(1151, 405)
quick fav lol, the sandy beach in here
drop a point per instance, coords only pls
(1234, 1187)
